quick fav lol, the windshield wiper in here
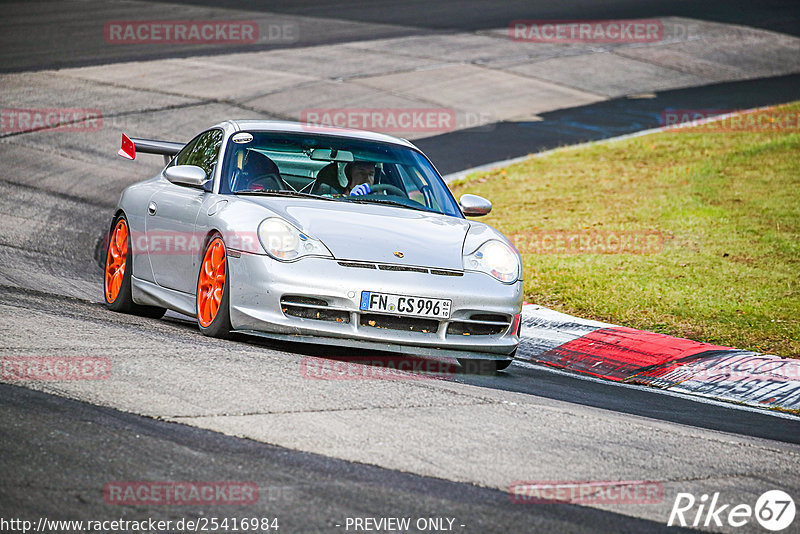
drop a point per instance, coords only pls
(279, 193)
(357, 199)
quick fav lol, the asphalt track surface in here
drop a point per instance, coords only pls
(57, 453)
(73, 29)
(611, 118)
(306, 492)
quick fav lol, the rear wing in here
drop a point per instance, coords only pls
(132, 145)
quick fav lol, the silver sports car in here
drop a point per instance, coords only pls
(314, 234)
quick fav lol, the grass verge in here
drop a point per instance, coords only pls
(727, 204)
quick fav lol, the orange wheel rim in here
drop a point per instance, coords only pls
(211, 282)
(115, 260)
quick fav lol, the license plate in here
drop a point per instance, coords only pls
(405, 305)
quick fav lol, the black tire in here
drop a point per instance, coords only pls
(220, 326)
(123, 301)
(483, 367)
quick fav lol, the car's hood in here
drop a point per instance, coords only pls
(371, 232)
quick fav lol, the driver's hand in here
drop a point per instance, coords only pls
(361, 189)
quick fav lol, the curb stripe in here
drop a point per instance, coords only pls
(620, 353)
(635, 356)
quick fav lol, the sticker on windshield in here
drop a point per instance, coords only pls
(242, 138)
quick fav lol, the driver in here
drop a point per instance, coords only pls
(360, 177)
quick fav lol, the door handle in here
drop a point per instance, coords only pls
(151, 208)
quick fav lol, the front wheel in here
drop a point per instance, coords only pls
(117, 274)
(213, 288)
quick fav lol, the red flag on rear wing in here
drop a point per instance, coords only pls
(130, 146)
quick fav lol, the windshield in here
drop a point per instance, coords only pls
(335, 168)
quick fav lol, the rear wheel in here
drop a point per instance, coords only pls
(213, 283)
(483, 367)
(117, 275)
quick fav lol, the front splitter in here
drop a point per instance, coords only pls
(446, 355)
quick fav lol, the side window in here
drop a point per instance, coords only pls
(202, 151)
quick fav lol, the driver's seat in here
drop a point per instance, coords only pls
(327, 181)
(257, 172)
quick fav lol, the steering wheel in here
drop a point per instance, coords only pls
(389, 189)
(266, 181)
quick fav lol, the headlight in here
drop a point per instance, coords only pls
(284, 242)
(494, 258)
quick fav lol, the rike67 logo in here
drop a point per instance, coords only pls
(774, 510)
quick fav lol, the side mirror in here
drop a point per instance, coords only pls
(190, 175)
(474, 206)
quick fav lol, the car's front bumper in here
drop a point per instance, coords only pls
(260, 288)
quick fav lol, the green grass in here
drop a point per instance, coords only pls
(727, 203)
